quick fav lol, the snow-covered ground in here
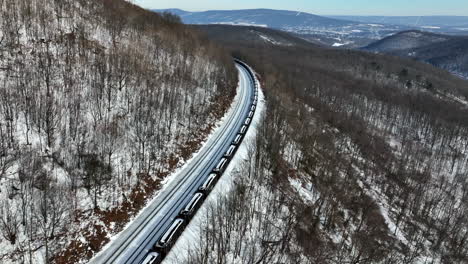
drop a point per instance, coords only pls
(145, 127)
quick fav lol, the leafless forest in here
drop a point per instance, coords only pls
(361, 158)
(99, 101)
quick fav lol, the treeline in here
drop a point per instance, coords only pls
(98, 99)
(378, 143)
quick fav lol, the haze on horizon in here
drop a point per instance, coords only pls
(329, 7)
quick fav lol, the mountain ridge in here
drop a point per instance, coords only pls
(257, 16)
(315, 28)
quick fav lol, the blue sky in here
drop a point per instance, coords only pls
(324, 7)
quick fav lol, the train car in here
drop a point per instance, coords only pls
(219, 169)
(243, 130)
(152, 258)
(237, 139)
(230, 151)
(251, 113)
(247, 121)
(170, 237)
(209, 183)
(252, 108)
(252, 75)
(191, 208)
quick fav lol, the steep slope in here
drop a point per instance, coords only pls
(100, 100)
(443, 51)
(361, 159)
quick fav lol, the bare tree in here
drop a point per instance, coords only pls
(10, 222)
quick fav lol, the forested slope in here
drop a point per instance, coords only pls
(361, 158)
(99, 101)
(443, 51)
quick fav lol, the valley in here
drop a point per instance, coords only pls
(135, 134)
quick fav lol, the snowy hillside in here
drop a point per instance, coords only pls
(100, 100)
(361, 158)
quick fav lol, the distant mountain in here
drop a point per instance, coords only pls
(444, 51)
(258, 17)
(317, 29)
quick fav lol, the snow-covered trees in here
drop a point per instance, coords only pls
(374, 166)
(254, 222)
(96, 98)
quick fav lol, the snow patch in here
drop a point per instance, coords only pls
(338, 44)
(305, 193)
(272, 41)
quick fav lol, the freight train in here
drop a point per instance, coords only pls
(170, 236)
